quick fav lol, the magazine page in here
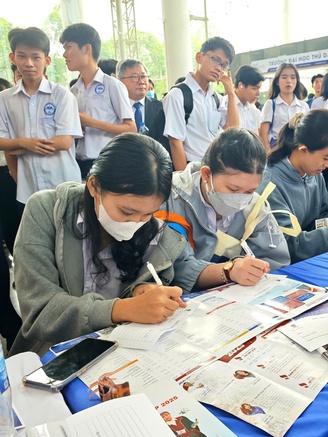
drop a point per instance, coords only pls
(257, 400)
(282, 296)
(145, 336)
(132, 416)
(183, 413)
(170, 357)
(309, 329)
(267, 381)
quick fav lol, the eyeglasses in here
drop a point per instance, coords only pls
(217, 62)
(136, 78)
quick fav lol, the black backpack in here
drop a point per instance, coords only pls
(188, 105)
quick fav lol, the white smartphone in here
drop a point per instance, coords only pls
(54, 375)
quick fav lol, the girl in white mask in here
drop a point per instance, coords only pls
(81, 251)
(210, 204)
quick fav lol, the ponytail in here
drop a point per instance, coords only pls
(286, 141)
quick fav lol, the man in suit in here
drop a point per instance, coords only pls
(135, 77)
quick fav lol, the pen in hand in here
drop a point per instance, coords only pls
(154, 274)
(249, 251)
(158, 281)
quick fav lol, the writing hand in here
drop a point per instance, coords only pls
(249, 270)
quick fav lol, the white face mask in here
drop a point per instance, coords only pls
(227, 204)
(118, 230)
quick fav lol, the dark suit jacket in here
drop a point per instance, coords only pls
(155, 121)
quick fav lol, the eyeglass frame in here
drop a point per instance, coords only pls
(216, 61)
(144, 78)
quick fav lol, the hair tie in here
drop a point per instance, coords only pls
(295, 120)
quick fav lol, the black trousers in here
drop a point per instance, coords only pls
(10, 214)
(85, 167)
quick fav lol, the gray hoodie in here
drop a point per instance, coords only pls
(307, 199)
(49, 272)
(185, 201)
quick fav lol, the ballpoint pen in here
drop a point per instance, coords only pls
(249, 251)
(154, 274)
(323, 351)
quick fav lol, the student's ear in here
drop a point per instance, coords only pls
(205, 172)
(48, 61)
(87, 49)
(303, 149)
(93, 186)
(12, 57)
(199, 57)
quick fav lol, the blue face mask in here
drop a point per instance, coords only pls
(151, 94)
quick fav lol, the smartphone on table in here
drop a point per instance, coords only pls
(54, 375)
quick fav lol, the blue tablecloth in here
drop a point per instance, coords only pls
(312, 423)
(313, 270)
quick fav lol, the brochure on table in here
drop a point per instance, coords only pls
(215, 342)
(183, 413)
(132, 416)
(309, 329)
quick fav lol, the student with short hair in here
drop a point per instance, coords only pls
(321, 101)
(108, 66)
(103, 101)
(189, 142)
(38, 120)
(316, 81)
(284, 101)
(248, 82)
(295, 166)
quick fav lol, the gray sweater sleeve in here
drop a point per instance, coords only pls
(308, 243)
(50, 312)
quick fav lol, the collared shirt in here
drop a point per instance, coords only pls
(142, 107)
(49, 112)
(249, 115)
(106, 99)
(282, 114)
(110, 286)
(93, 283)
(205, 121)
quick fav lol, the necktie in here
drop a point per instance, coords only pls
(137, 114)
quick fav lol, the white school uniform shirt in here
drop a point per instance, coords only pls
(106, 99)
(318, 103)
(49, 112)
(249, 115)
(205, 121)
(282, 114)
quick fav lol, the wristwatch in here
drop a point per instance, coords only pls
(228, 266)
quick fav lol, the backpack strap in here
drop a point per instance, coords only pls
(188, 101)
(178, 223)
(273, 110)
(216, 100)
(230, 246)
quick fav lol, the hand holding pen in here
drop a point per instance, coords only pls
(248, 270)
(158, 281)
(249, 251)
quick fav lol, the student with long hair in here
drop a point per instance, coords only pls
(215, 205)
(295, 166)
(81, 250)
(284, 101)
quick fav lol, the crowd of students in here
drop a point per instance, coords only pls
(92, 219)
